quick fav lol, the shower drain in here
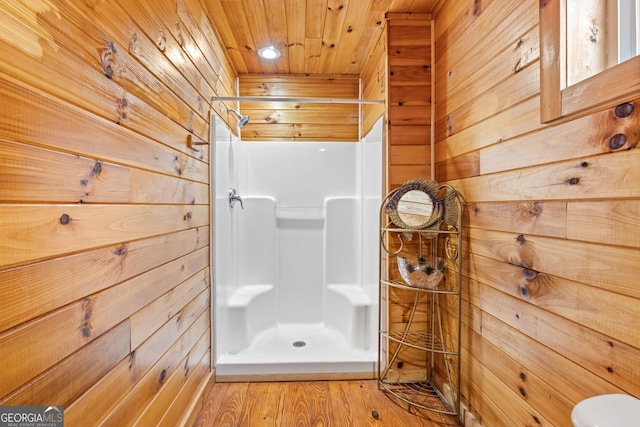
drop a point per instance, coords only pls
(299, 343)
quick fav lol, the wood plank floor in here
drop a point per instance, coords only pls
(308, 403)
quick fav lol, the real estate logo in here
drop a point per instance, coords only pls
(31, 416)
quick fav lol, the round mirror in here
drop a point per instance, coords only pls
(413, 206)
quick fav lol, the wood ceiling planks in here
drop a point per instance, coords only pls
(320, 37)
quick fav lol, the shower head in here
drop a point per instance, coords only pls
(242, 120)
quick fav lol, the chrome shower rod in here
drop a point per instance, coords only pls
(278, 99)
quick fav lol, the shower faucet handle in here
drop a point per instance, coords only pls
(234, 197)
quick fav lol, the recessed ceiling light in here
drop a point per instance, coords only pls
(269, 52)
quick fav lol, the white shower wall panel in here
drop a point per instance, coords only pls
(225, 227)
(300, 270)
(342, 240)
(299, 174)
(224, 251)
(372, 188)
(300, 177)
(256, 235)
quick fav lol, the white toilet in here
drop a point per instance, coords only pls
(607, 410)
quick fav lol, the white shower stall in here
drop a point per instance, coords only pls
(295, 261)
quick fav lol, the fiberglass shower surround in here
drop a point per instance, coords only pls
(296, 269)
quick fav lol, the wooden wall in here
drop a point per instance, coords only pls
(402, 71)
(104, 231)
(408, 97)
(399, 71)
(552, 234)
(300, 121)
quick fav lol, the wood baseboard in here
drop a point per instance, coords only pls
(195, 406)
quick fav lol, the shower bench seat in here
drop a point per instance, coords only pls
(348, 309)
(244, 295)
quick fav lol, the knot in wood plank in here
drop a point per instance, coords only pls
(617, 141)
(134, 44)
(88, 305)
(121, 109)
(573, 181)
(161, 41)
(536, 210)
(108, 59)
(122, 250)
(65, 219)
(529, 273)
(97, 168)
(623, 110)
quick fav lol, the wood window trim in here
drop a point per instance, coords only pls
(611, 87)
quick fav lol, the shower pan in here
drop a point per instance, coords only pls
(295, 266)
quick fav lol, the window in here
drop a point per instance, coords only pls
(589, 55)
(599, 34)
(625, 25)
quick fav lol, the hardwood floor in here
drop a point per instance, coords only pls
(310, 403)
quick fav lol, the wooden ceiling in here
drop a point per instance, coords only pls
(313, 36)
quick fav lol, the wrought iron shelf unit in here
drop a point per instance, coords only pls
(418, 353)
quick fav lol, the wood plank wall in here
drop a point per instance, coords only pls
(408, 97)
(104, 210)
(300, 121)
(401, 73)
(552, 236)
